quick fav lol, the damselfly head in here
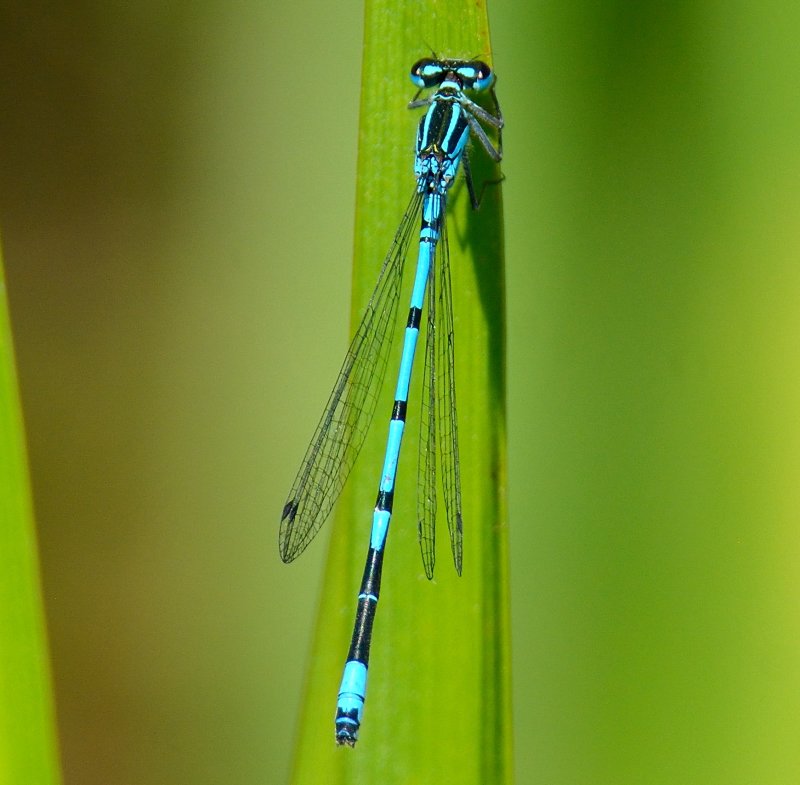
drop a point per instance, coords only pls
(469, 74)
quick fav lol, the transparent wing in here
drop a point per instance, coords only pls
(343, 426)
(426, 468)
(446, 405)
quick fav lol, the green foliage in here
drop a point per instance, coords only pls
(27, 738)
(438, 706)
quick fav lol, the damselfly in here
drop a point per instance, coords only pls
(450, 119)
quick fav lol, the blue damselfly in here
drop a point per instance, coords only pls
(451, 118)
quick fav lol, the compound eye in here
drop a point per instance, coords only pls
(476, 75)
(426, 72)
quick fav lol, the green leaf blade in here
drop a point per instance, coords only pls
(438, 699)
(28, 749)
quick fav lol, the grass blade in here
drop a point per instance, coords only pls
(27, 730)
(438, 705)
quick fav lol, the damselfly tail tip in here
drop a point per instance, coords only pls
(345, 741)
(346, 731)
(350, 707)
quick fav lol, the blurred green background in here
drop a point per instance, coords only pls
(176, 196)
